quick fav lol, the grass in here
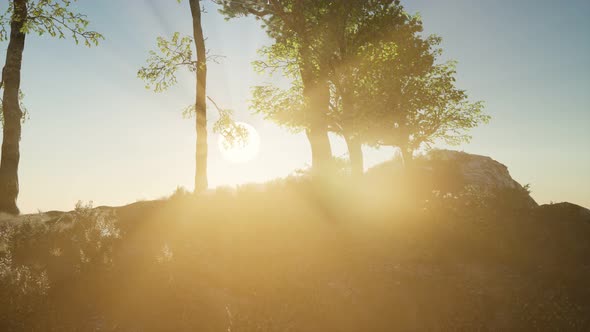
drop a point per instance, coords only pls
(380, 253)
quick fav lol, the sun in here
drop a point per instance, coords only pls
(241, 153)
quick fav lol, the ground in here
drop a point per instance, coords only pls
(370, 254)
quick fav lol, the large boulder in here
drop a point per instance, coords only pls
(448, 171)
(477, 170)
(480, 172)
(565, 210)
(455, 172)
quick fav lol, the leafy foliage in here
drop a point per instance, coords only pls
(234, 133)
(386, 86)
(160, 74)
(285, 107)
(55, 18)
(160, 71)
(414, 106)
(52, 17)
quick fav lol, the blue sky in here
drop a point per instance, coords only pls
(96, 133)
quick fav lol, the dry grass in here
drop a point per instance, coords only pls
(294, 255)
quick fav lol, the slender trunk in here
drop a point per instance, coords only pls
(355, 154)
(11, 111)
(201, 183)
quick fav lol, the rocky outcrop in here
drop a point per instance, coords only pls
(477, 171)
(565, 210)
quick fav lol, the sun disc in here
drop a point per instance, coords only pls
(241, 153)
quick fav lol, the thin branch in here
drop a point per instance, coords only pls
(215, 104)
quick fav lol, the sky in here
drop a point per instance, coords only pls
(96, 134)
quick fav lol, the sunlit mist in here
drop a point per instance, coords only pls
(294, 165)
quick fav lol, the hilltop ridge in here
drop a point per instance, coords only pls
(391, 250)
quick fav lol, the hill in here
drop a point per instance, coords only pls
(456, 244)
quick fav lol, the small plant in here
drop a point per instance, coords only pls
(94, 233)
(23, 288)
(179, 193)
(471, 200)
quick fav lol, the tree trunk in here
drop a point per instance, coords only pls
(11, 111)
(355, 154)
(201, 183)
(317, 132)
(316, 93)
(351, 134)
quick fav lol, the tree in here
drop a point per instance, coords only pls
(345, 28)
(386, 87)
(52, 17)
(352, 25)
(415, 105)
(201, 182)
(297, 28)
(160, 74)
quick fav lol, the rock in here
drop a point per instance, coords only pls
(478, 171)
(565, 210)
(448, 171)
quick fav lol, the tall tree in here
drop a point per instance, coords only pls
(385, 85)
(351, 26)
(52, 17)
(201, 182)
(160, 74)
(297, 28)
(356, 26)
(344, 28)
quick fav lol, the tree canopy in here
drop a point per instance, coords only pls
(52, 17)
(386, 85)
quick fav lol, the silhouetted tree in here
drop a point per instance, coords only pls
(384, 83)
(297, 28)
(52, 17)
(343, 29)
(352, 26)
